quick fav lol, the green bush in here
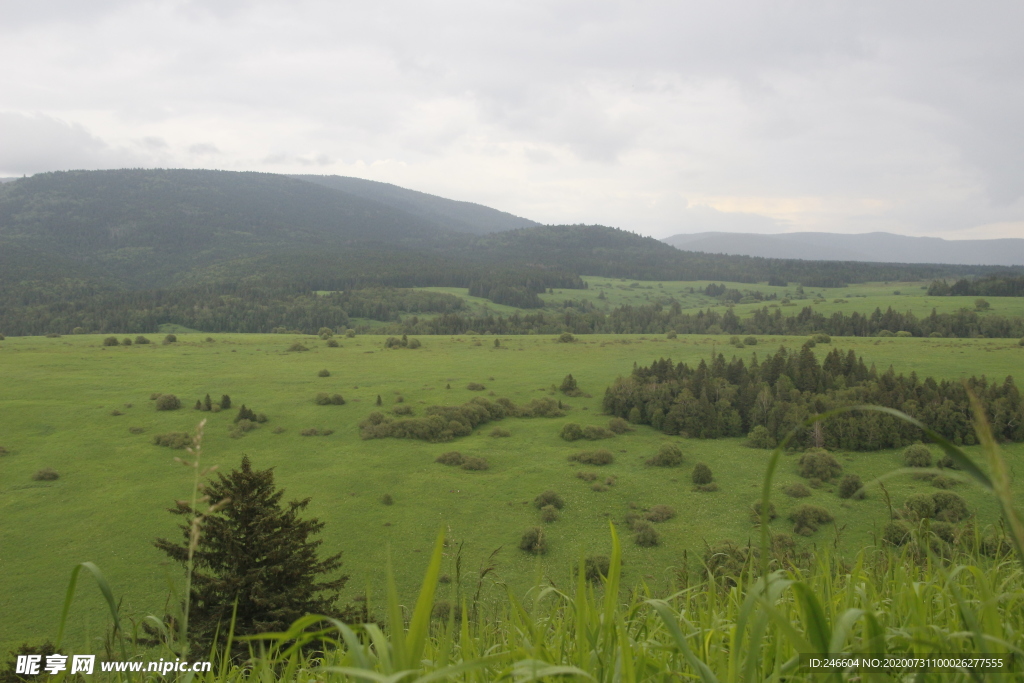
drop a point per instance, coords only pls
(548, 514)
(807, 518)
(896, 533)
(349, 333)
(598, 457)
(136, 430)
(111, 341)
(241, 428)
(141, 340)
(451, 458)
(325, 333)
(619, 426)
(571, 431)
(333, 343)
(904, 333)
(671, 335)
(176, 440)
(474, 463)
(885, 333)
(949, 507)
(46, 474)
(817, 463)
(851, 486)
(724, 562)
(414, 344)
(760, 437)
(595, 567)
(660, 513)
(475, 386)
(646, 535)
(167, 402)
(170, 339)
(668, 455)
(500, 432)
(127, 341)
(569, 386)
(386, 499)
(701, 475)
(594, 432)
(822, 338)
(565, 338)
(586, 476)
(402, 410)
(297, 347)
(755, 512)
(750, 341)
(313, 431)
(917, 455)
(533, 541)
(549, 497)
(918, 506)
(324, 373)
(225, 402)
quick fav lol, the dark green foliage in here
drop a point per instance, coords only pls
(569, 387)
(586, 476)
(548, 514)
(571, 431)
(594, 432)
(796, 490)
(170, 339)
(324, 373)
(566, 338)
(724, 562)
(533, 541)
(245, 414)
(474, 463)
(500, 432)
(896, 533)
(619, 426)
(646, 535)
(173, 440)
(198, 405)
(949, 507)
(756, 510)
(127, 341)
(818, 463)
(142, 340)
(313, 431)
(807, 518)
(671, 333)
(298, 347)
(241, 428)
(402, 410)
(443, 423)
(750, 341)
(167, 402)
(475, 386)
(225, 402)
(207, 403)
(386, 499)
(269, 580)
(379, 401)
(46, 474)
(598, 457)
(325, 333)
(548, 498)
(4, 451)
(596, 567)
(451, 458)
(110, 341)
(701, 474)
(851, 486)
(917, 455)
(660, 513)
(445, 611)
(668, 455)
(760, 437)
(9, 673)
(325, 399)
(333, 343)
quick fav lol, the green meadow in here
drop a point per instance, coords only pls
(58, 398)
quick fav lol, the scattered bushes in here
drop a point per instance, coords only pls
(500, 432)
(646, 535)
(325, 399)
(443, 423)
(660, 513)
(760, 437)
(324, 373)
(851, 486)
(750, 341)
(451, 458)
(917, 455)
(533, 541)
(549, 497)
(111, 341)
(46, 474)
(474, 463)
(598, 457)
(126, 341)
(178, 440)
(167, 402)
(247, 414)
(949, 507)
(807, 518)
(817, 463)
(668, 455)
(403, 343)
(548, 514)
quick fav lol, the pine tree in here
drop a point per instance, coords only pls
(225, 402)
(207, 403)
(256, 552)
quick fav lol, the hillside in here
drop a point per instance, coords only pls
(879, 247)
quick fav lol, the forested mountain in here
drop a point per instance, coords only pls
(879, 247)
(446, 213)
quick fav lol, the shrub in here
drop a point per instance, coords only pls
(278, 430)
(142, 340)
(402, 410)
(660, 513)
(177, 440)
(807, 518)
(475, 386)
(586, 476)
(533, 541)
(116, 413)
(170, 339)
(571, 431)
(313, 431)
(672, 334)
(760, 437)
(325, 333)
(444, 611)
(127, 341)
(917, 455)
(46, 474)
(565, 338)
(135, 430)
(646, 535)
(949, 507)
(549, 513)
(701, 474)
(593, 433)
(619, 426)
(885, 333)
(755, 512)
(750, 341)
(245, 414)
(817, 463)
(333, 343)
(324, 373)
(896, 532)
(724, 562)
(668, 455)
(349, 333)
(297, 347)
(549, 497)
(241, 428)
(851, 486)
(386, 499)
(595, 567)
(474, 463)
(451, 458)
(569, 386)
(500, 432)
(822, 338)
(225, 402)
(599, 488)
(947, 462)
(598, 457)
(167, 402)
(111, 341)
(414, 344)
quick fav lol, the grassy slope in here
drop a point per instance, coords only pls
(57, 395)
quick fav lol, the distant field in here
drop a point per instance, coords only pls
(57, 398)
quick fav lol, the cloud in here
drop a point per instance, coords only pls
(35, 143)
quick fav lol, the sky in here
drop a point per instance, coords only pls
(657, 117)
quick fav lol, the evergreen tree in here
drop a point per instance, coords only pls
(207, 403)
(257, 554)
(225, 402)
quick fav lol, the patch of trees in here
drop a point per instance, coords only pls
(990, 286)
(444, 423)
(770, 398)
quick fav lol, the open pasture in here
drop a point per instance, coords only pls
(58, 397)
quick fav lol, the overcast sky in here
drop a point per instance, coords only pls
(658, 117)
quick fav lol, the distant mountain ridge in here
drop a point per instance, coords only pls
(873, 247)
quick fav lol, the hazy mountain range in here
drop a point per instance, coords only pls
(879, 247)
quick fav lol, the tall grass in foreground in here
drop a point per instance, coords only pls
(751, 628)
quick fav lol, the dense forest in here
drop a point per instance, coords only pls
(729, 398)
(989, 286)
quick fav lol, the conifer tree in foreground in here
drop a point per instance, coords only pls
(257, 552)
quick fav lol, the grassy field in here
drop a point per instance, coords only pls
(58, 395)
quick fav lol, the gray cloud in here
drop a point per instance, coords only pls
(823, 116)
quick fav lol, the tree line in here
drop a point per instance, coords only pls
(989, 286)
